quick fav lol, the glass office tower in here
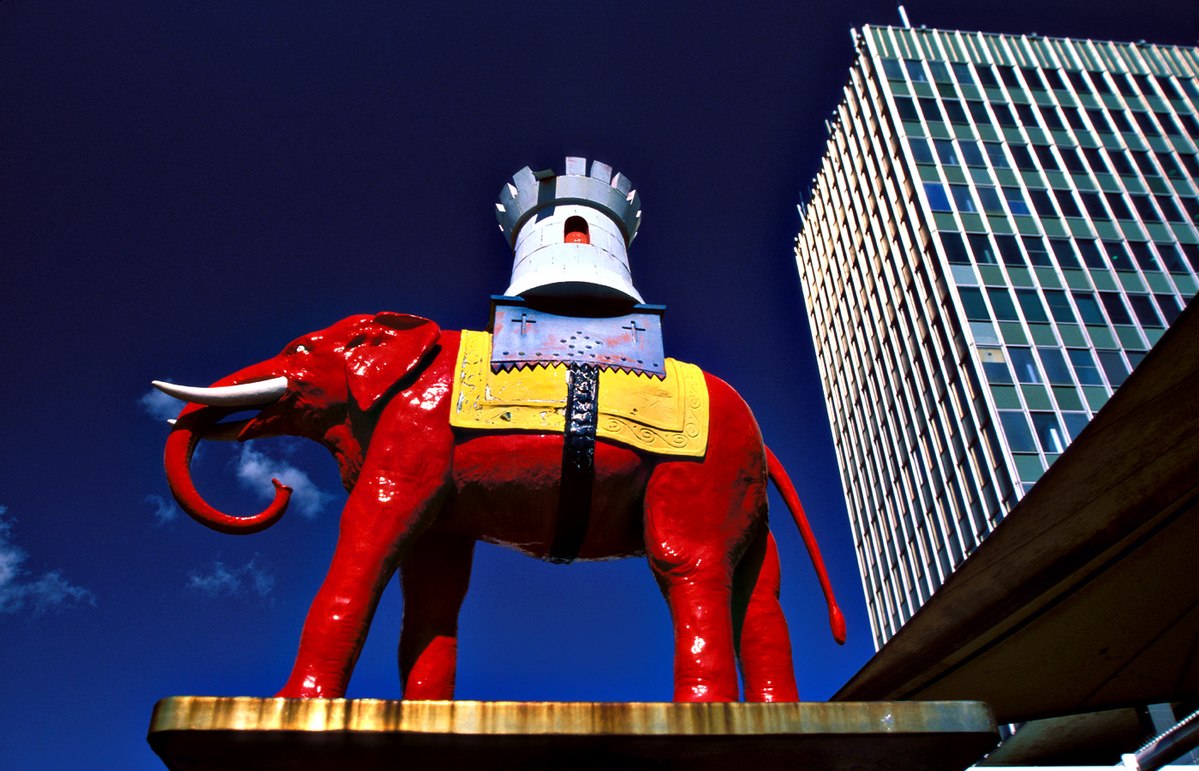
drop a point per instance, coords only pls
(1002, 226)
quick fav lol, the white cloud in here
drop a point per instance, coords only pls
(256, 469)
(164, 511)
(19, 590)
(160, 406)
(222, 580)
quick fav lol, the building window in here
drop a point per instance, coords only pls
(920, 150)
(1144, 162)
(1005, 116)
(1015, 201)
(973, 305)
(1088, 308)
(990, 200)
(928, 107)
(955, 248)
(1042, 203)
(1072, 160)
(971, 155)
(1074, 118)
(961, 196)
(1145, 208)
(1093, 202)
(1030, 304)
(940, 72)
(1148, 127)
(1054, 365)
(1045, 156)
(1015, 428)
(1079, 81)
(1053, 121)
(978, 111)
(1075, 423)
(955, 112)
(1023, 158)
(1142, 306)
(1144, 257)
(1119, 161)
(1117, 253)
(1170, 209)
(1033, 78)
(984, 253)
(1114, 367)
(1171, 167)
(1169, 305)
(906, 109)
(937, 198)
(1059, 306)
(892, 69)
(1119, 206)
(1001, 302)
(1100, 122)
(1023, 364)
(1091, 255)
(1171, 257)
(1009, 251)
(1049, 432)
(995, 153)
(1063, 252)
(1066, 203)
(995, 366)
(1115, 308)
(1095, 159)
(946, 152)
(1084, 366)
(915, 71)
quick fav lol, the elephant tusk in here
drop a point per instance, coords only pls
(242, 395)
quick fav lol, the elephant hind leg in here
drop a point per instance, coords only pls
(760, 630)
(434, 576)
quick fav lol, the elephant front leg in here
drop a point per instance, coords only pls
(435, 576)
(338, 619)
(692, 566)
(386, 512)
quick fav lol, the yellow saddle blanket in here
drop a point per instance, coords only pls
(668, 417)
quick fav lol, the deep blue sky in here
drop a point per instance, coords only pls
(184, 187)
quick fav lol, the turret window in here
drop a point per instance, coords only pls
(576, 231)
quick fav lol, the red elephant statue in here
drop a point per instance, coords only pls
(376, 391)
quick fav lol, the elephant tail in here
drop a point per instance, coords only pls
(778, 475)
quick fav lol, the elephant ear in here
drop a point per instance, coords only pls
(389, 347)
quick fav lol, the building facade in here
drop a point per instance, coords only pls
(1001, 227)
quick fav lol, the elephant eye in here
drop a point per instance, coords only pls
(301, 348)
(356, 341)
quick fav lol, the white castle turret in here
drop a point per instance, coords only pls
(570, 232)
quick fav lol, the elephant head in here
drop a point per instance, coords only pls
(327, 386)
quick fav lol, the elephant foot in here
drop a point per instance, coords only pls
(310, 685)
(432, 676)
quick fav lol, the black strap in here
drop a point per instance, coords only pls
(578, 462)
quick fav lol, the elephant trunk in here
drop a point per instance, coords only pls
(195, 422)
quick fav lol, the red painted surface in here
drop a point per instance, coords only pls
(375, 391)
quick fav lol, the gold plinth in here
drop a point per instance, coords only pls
(197, 732)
